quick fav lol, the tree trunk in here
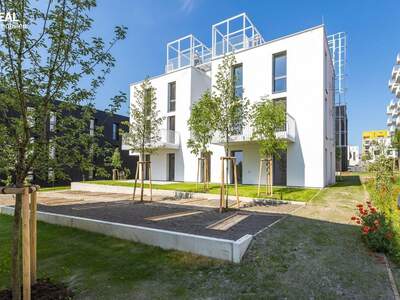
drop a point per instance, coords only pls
(227, 170)
(16, 249)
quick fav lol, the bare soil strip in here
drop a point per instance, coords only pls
(228, 222)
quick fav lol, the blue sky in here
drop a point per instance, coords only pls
(370, 25)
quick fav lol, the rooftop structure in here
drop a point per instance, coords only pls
(233, 34)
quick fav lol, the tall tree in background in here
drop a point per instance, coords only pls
(144, 125)
(396, 146)
(202, 128)
(267, 118)
(232, 109)
(47, 56)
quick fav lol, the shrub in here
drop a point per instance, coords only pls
(375, 228)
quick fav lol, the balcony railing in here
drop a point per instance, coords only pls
(169, 139)
(288, 132)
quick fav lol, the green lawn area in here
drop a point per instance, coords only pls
(285, 193)
(316, 253)
(54, 188)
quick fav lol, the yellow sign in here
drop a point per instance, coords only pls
(374, 134)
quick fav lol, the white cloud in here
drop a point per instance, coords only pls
(187, 6)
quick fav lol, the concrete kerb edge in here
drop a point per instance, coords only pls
(93, 187)
(224, 249)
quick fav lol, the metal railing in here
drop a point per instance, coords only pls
(169, 139)
(287, 132)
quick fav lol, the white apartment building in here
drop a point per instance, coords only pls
(295, 69)
(393, 109)
(353, 156)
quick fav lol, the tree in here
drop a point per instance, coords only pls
(143, 135)
(49, 63)
(396, 145)
(267, 118)
(232, 109)
(202, 128)
(116, 162)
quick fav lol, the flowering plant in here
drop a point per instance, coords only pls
(375, 229)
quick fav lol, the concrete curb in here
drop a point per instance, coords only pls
(229, 250)
(93, 187)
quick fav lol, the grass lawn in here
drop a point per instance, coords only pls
(294, 194)
(316, 254)
(54, 188)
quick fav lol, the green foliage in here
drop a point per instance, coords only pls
(144, 125)
(232, 111)
(51, 66)
(202, 124)
(267, 118)
(116, 161)
(396, 140)
(382, 167)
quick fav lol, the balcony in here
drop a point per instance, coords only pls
(389, 121)
(392, 129)
(392, 86)
(169, 139)
(398, 59)
(389, 110)
(392, 104)
(288, 133)
(397, 121)
(395, 71)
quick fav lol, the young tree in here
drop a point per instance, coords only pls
(202, 129)
(232, 109)
(267, 118)
(396, 145)
(116, 162)
(48, 64)
(143, 135)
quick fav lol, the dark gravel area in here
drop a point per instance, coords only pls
(134, 213)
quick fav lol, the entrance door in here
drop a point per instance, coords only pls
(239, 166)
(280, 169)
(171, 166)
(147, 168)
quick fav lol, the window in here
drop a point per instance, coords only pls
(115, 132)
(92, 127)
(171, 96)
(53, 121)
(237, 73)
(279, 72)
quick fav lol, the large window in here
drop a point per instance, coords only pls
(279, 72)
(115, 132)
(238, 77)
(171, 96)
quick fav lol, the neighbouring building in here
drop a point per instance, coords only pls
(296, 69)
(393, 109)
(341, 137)
(353, 156)
(374, 144)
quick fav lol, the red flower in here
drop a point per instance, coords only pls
(360, 205)
(369, 202)
(366, 229)
(353, 218)
(358, 222)
(373, 210)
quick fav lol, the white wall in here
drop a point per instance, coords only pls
(311, 158)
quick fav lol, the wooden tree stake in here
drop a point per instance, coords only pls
(33, 224)
(142, 166)
(26, 248)
(222, 199)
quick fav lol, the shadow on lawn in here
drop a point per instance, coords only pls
(342, 181)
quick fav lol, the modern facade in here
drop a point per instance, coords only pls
(393, 109)
(374, 144)
(341, 129)
(296, 69)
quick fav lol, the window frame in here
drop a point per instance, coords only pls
(116, 132)
(275, 78)
(170, 99)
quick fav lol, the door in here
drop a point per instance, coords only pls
(171, 166)
(147, 168)
(171, 130)
(239, 166)
(280, 169)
